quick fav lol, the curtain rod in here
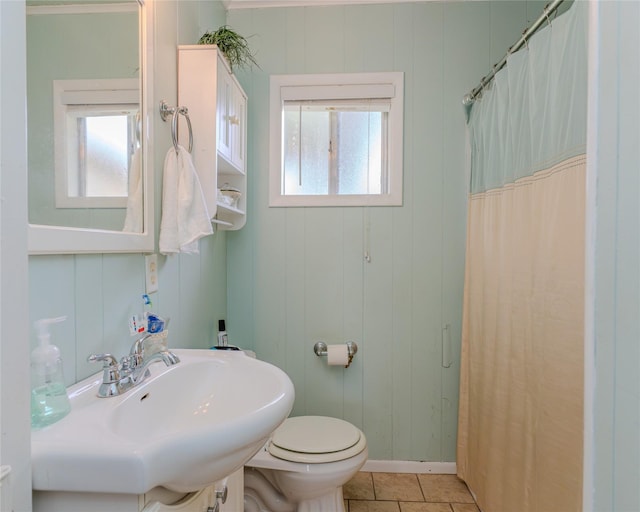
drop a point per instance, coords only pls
(548, 9)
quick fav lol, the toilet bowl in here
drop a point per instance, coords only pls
(304, 465)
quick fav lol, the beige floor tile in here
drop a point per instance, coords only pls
(360, 487)
(444, 488)
(416, 506)
(397, 486)
(373, 506)
(464, 507)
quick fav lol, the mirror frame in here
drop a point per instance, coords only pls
(44, 239)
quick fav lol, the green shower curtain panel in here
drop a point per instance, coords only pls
(533, 115)
(521, 382)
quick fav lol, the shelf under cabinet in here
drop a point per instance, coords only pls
(231, 209)
(227, 167)
(229, 218)
(223, 223)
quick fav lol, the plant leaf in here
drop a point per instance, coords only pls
(232, 45)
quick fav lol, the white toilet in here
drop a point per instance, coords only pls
(304, 465)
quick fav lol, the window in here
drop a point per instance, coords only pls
(96, 132)
(336, 140)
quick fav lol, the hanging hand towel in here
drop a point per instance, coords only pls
(185, 218)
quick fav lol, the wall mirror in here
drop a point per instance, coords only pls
(89, 121)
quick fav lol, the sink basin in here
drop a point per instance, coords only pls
(183, 428)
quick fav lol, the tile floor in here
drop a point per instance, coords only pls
(407, 492)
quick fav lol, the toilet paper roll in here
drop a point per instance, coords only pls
(338, 355)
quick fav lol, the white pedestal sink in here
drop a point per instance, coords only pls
(182, 429)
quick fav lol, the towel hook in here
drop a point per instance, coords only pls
(166, 111)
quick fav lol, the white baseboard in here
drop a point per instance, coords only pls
(409, 466)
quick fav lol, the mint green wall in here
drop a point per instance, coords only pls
(613, 327)
(298, 275)
(97, 292)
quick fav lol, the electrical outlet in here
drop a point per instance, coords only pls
(151, 272)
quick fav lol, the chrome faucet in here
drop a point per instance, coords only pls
(141, 372)
(133, 369)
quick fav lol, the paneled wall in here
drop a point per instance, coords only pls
(98, 292)
(612, 352)
(298, 275)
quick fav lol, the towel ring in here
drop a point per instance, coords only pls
(166, 111)
(174, 127)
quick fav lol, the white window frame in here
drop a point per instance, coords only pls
(72, 99)
(338, 86)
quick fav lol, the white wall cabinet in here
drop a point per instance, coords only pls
(218, 111)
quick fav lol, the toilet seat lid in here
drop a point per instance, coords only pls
(315, 435)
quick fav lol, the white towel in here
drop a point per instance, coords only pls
(133, 220)
(185, 218)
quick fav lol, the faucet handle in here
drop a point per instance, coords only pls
(107, 359)
(111, 385)
(111, 370)
(110, 366)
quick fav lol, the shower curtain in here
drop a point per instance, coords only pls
(521, 385)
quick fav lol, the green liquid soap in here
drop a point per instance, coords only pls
(49, 400)
(49, 403)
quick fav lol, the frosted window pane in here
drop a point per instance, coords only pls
(359, 164)
(307, 145)
(103, 158)
(332, 151)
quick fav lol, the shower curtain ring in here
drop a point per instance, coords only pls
(480, 89)
(524, 37)
(495, 69)
(546, 15)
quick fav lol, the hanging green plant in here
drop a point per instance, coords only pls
(234, 46)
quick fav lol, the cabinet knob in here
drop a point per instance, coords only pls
(221, 494)
(234, 119)
(220, 497)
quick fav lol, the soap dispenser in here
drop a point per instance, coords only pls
(49, 400)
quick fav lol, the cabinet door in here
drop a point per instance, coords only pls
(238, 127)
(235, 492)
(224, 112)
(200, 502)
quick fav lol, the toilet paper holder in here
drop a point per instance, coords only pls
(320, 349)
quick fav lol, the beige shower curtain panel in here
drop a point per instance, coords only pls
(521, 397)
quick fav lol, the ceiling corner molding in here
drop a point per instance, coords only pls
(81, 8)
(261, 4)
